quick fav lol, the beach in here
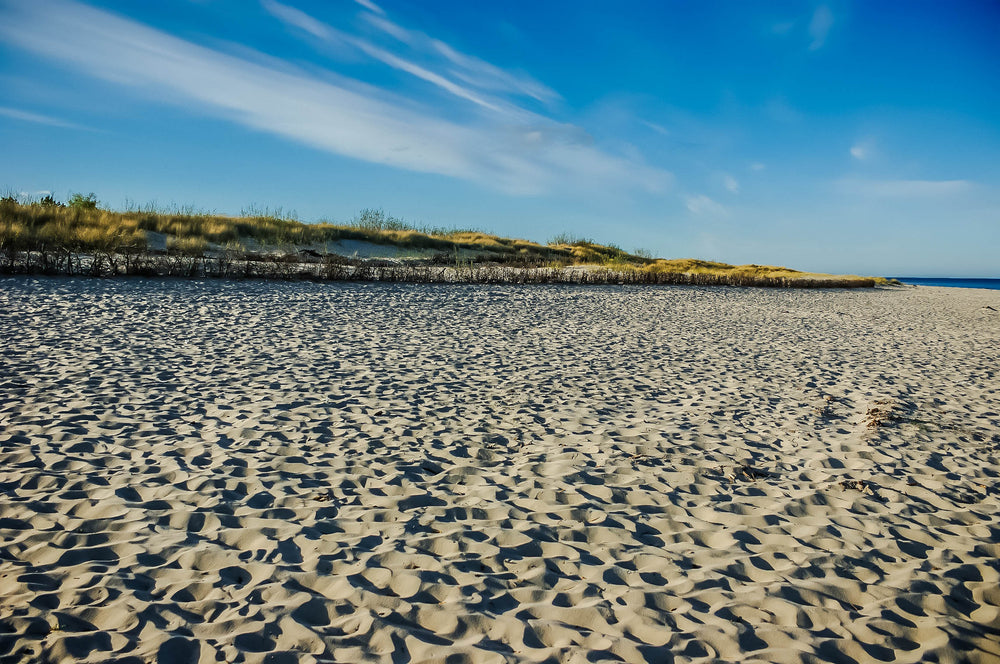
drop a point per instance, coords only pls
(202, 471)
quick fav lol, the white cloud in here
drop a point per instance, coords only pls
(903, 188)
(863, 150)
(397, 32)
(38, 118)
(731, 184)
(370, 6)
(422, 73)
(26, 196)
(757, 166)
(659, 129)
(297, 18)
(530, 155)
(488, 77)
(702, 205)
(466, 68)
(479, 76)
(819, 27)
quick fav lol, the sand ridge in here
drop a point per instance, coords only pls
(220, 471)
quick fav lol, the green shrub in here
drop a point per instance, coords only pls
(81, 202)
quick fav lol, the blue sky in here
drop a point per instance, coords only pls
(859, 137)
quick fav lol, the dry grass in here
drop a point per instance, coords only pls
(36, 233)
(36, 226)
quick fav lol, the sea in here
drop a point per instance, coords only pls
(992, 284)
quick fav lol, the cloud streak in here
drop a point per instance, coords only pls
(297, 18)
(371, 6)
(526, 155)
(38, 118)
(819, 27)
(703, 206)
(469, 69)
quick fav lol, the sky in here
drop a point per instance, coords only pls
(847, 137)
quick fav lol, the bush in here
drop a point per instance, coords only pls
(81, 202)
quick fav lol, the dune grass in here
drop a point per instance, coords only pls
(81, 226)
(48, 236)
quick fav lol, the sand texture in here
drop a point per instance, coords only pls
(295, 472)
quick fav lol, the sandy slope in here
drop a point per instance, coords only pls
(302, 472)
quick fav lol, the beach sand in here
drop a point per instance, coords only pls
(282, 472)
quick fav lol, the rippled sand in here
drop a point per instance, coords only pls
(218, 471)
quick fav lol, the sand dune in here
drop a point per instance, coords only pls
(219, 471)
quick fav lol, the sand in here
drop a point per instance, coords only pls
(275, 472)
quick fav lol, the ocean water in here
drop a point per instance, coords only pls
(992, 284)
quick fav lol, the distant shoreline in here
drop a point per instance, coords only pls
(951, 282)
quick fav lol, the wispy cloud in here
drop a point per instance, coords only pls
(731, 184)
(397, 32)
(28, 196)
(371, 6)
(297, 18)
(903, 188)
(526, 154)
(819, 27)
(484, 75)
(424, 74)
(704, 206)
(863, 150)
(757, 166)
(658, 128)
(469, 69)
(38, 118)
(479, 80)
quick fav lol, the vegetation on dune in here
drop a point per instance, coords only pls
(81, 237)
(81, 226)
